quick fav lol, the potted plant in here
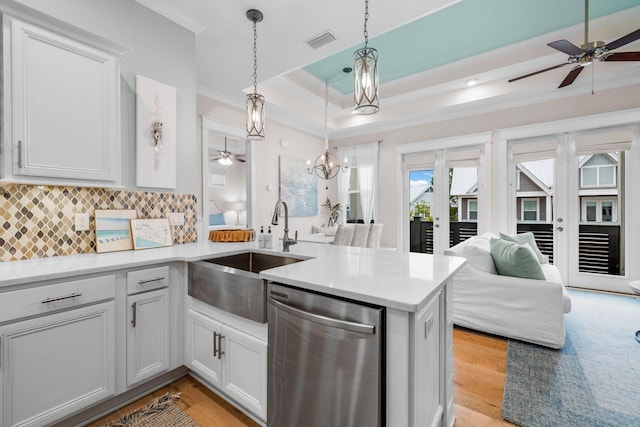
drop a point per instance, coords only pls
(334, 212)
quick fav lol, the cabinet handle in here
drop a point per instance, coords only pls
(20, 154)
(215, 346)
(157, 279)
(73, 295)
(220, 352)
(133, 320)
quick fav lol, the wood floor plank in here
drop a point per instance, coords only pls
(480, 366)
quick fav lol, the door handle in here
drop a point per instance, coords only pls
(220, 352)
(559, 228)
(324, 320)
(133, 320)
(437, 225)
(215, 341)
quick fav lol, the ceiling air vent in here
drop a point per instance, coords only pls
(321, 39)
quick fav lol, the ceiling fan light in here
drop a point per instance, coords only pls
(225, 161)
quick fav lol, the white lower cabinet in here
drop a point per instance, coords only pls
(428, 365)
(147, 335)
(57, 364)
(232, 361)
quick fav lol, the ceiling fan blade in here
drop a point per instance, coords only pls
(573, 74)
(623, 56)
(240, 160)
(566, 46)
(538, 72)
(631, 37)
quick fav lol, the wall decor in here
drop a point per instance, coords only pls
(113, 229)
(155, 134)
(298, 188)
(151, 233)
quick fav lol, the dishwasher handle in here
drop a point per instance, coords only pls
(324, 320)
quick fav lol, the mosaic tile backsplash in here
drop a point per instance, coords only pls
(39, 221)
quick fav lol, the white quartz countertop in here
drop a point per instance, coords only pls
(401, 280)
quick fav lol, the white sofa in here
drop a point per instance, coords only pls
(524, 309)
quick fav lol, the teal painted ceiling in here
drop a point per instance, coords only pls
(465, 29)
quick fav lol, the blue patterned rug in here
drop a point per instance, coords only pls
(593, 381)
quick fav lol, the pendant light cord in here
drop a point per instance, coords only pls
(326, 107)
(366, 18)
(255, 57)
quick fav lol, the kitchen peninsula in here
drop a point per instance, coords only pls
(103, 291)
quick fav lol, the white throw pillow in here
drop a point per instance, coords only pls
(478, 255)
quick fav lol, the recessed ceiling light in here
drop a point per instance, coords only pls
(471, 82)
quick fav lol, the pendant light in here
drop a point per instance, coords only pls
(255, 101)
(326, 165)
(365, 65)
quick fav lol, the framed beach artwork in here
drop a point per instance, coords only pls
(113, 229)
(298, 188)
(151, 233)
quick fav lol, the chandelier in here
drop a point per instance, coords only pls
(326, 165)
(255, 101)
(365, 65)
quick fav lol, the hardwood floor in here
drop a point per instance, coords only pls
(480, 369)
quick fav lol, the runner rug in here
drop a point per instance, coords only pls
(593, 381)
(162, 411)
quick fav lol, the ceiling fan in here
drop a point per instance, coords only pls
(584, 55)
(226, 157)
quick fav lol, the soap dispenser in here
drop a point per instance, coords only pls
(269, 239)
(262, 238)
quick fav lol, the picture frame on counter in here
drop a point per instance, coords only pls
(113, 229)
(151, 233)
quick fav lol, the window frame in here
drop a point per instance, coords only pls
(597, 168)
(599, 202)
(469, 210)
(522, 209)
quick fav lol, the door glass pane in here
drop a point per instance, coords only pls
(600, 246)
(463, 204)
(534, 202)
(420, 208)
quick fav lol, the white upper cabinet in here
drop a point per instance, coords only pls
(61, 97)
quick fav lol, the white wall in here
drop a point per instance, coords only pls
(582, 105)
(160, 50)
(267, 152)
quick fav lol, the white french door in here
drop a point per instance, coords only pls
(445, 197)
(584, 176)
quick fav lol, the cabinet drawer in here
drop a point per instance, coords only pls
(44, 299)
(147, 279)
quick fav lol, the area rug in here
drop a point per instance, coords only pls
(162, 411)
(593, 381)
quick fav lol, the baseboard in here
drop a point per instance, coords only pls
(117, 402)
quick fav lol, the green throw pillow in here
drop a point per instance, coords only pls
(513, 259)
(525, 238)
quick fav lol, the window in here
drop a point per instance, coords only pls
(472, 209)
(599, 210)
(529, 209)
(598, 176)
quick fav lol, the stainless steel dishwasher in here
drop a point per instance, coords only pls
(325, 361)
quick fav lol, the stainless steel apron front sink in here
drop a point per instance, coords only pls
(232, 283)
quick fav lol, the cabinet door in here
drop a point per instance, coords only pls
(428, 366)
(65, 107)
(201, 345)
(148, 335)
(245, 370)
(55, 365)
